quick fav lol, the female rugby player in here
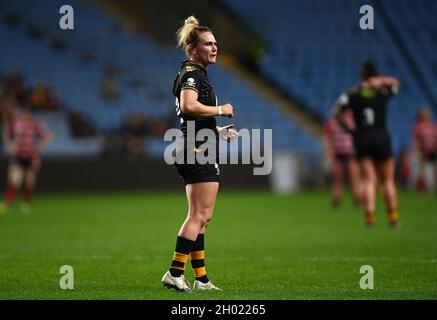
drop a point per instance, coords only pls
(196, 104)
(368, 102)
(341, 158)
(24, 138)
(425, 146)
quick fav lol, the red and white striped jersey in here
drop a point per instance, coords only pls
(340, 140)
(26, 134)
(425, 133)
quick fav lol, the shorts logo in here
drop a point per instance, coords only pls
(201, 147)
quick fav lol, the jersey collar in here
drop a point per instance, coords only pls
(188, 61)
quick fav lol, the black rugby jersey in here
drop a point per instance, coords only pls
(369, 106)
(194, 77)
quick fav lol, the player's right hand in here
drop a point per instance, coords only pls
(228, 110)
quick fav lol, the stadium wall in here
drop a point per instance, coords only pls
(87, 175)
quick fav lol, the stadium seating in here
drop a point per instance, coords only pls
(137, 60)
(314, 50)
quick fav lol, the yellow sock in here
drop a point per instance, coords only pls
(393, 215)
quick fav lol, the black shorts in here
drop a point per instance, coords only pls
(195, 173)
(344, 158)
(376, 145)
(24, 163)
(429, 157)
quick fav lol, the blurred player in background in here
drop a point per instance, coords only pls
(340, 156)
(425, 146)
(368, 102)
(23, 138)
(196, 101)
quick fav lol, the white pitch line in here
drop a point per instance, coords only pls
(370, 259)
(265, 258)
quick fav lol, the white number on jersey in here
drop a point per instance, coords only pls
(369, 116)
(178, 110)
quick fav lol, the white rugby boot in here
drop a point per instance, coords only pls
(199, 285)
(178, 283)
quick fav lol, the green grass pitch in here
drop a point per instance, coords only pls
(258, 246)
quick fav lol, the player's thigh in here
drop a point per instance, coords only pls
(15, 174)
(367, 168)
(35, 165)
(353, 168)
(386, 170)
(202, 196)
(422, 164)
(30, 176)
(338, 169)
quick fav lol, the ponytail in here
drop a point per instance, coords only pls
(188, 34)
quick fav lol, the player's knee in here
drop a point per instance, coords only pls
(389, 184)
(204, 217)
(29, 182)
(371, 179)
(207, 222)
(202, 214)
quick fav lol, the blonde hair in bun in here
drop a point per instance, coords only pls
(188, 34)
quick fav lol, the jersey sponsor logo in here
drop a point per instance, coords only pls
(368, 92)
(190, 68)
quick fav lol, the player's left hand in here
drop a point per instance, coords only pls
(228, 132)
